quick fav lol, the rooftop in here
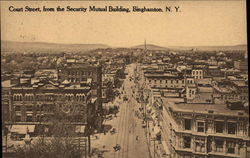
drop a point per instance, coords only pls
(6, 84)
(217, 109)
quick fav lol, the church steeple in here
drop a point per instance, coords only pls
(145, 46)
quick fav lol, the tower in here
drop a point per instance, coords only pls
(145, 46)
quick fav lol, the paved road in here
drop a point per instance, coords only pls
(128, 128)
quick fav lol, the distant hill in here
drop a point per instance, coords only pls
(10, 46)
(202, 48)
(43, 47)
(151, 47)
(210, 48)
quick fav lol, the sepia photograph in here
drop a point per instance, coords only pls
(124, 79)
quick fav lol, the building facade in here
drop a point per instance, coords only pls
(76, 73)
(205, 131)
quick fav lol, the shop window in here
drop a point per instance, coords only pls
(231, 127)
(200, 126)
(187, 142)
(187, 124)
(219, 126)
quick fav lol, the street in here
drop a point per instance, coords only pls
(130, 135)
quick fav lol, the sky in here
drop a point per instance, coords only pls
(204, 23)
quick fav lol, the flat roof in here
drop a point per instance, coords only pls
(218, 109)
(6, 84)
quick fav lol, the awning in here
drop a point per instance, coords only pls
(80, 129)
(22, 129)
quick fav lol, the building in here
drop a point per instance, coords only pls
(5, 106)
(164, 80)
(204, 130)
(241, 65)
(197, 73)
(76, 73)
(35, 106)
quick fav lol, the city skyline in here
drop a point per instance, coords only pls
(218, 23)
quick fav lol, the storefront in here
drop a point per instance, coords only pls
(18, 132)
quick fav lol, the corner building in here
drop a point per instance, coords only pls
(205, 130)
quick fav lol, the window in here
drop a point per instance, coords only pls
(160, 81)
(187, 142)
(219, 145)
(18, 118)
(149, 81)
(200, 126)
(187, 124)
(230, 147)
(219, 126)
(29, 108)
(231, 127)
(29, 119)
(38, 118)
(199, 156)
(199, 145)
(177, 81)
(186, 156)
(18, 108)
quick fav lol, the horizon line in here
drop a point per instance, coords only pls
(142, 44)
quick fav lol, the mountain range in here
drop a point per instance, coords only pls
(9, 46)
(201, 48)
